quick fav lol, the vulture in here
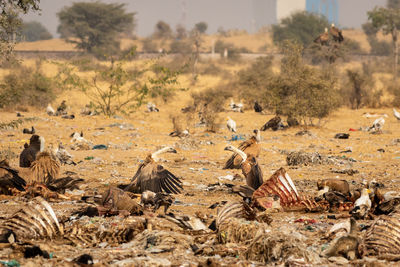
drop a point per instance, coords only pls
(336, 34)
(151, 107)
(396, 114)
(231, 124)
(251, 147)
(257, 107)
(153, 177)
(50, 110)
(250, 168)
(236, 107)
(28, 155)
(362, 205)
(9, 178)
(62, 108)
(377, 125)
(63, 155)
(323, 38)
(27, 131)
(45, 169)
(275, 124)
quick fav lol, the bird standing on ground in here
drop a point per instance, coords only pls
(362, 205)
(250, 168)
(28, 155)
(251, 147)
(396, 114)
(50, 110)
(27, 131)
(63, 155)
(336, 34)
(153, 177)
(257, 107)
(62, 108)
(231, 124)
(377, 125)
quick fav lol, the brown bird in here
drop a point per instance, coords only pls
(45, 169)
(251, 147)
(346, 246)
(323, 38)
(334, 184)
(62, 108)
(9, 179)
(28, 155)
(153, 177)
(336, 34)
(250, 168)
(275, 124)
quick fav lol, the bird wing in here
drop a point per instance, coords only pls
(253, 173)
(9, 178)
(234, 161)
(396, 114)
(155, 178)
(27, 156)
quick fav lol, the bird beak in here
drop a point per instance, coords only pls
(369, 191)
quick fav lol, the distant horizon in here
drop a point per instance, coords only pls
(245, 15)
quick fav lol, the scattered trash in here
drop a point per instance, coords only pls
(99, 147)
(342, 136)
(11, 263)
(236, 137)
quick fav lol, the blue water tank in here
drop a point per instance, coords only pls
(328, 8)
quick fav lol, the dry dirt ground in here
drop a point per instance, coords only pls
(199, 163)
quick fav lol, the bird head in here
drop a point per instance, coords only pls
(257, 135)
(229, 148)
(228, 118)
(170, 150)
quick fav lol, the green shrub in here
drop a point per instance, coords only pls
(27, 86)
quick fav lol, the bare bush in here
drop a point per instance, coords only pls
(208, 104)
(358, 90)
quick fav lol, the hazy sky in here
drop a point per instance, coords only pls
(228, 14)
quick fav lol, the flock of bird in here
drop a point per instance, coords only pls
(324, 38)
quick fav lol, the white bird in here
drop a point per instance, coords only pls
(63, 155)
(236, 107)
(151, 107)
(378, 124)
(50, 110)
(231, 124)
(396, 114)
(362, 204)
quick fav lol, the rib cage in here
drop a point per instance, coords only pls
(279, 184)
(36, 220)
(234, 209)
(383, 237)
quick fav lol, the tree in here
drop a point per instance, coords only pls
(300, 91)
(388, 20)
(34, 31)
(95, 26)
(393, 3)
(162, 30)
(302, 27)
(10, 22)
(201, 27)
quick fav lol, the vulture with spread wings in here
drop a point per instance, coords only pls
(154, 177)
(9, 178)
(251, 147)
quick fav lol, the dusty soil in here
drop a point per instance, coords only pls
(199, 163)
